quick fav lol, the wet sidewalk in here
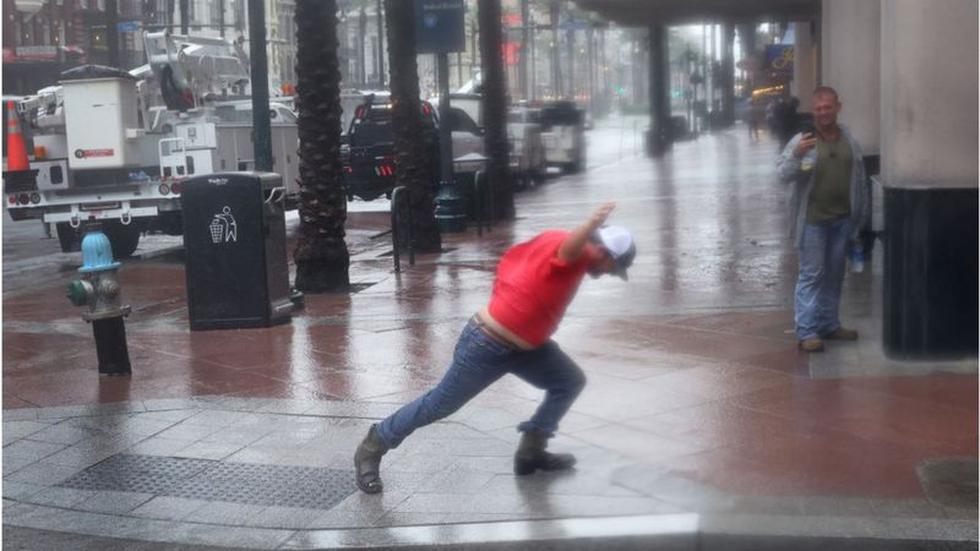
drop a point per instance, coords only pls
(702, 426)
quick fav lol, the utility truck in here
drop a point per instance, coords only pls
(116, 146)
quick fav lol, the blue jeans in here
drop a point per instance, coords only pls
(823, 257)
(478, 362)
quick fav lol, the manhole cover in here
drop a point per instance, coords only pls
(247, 483)
(950, 482)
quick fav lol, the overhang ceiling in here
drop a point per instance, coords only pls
(641, 13)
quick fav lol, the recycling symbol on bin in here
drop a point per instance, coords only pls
(223, 227)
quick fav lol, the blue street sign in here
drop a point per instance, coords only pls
(128, 26)
(439, 26)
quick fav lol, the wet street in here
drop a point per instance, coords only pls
(698, 403)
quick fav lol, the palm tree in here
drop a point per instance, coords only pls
(416, 143)
(495, 108)
(321, 256)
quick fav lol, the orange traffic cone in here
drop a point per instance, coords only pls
(16, 148)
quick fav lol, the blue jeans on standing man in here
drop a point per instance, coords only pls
(478, 362)
(823, 258)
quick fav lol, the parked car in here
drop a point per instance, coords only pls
(527, 153)
(369, 154)
(563, 134)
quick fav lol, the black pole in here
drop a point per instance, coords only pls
(571, 63)
(221, 17)
(445, 135)
(590, 37)
(361, 40)
(659, 139)
(522, 68)
(112, 31)
(260, 85)
(381, 48)
(185, 17)
(556, 83)
(169, 15)
(534, 69)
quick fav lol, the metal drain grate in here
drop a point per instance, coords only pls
(247, 483)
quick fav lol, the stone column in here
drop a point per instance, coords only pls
(929, 171)
(804, 66)
(659, 138)
(851, 64)
(746, 35)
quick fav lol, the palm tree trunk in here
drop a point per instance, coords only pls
(416, 143)
(495, 108)
(321, 256)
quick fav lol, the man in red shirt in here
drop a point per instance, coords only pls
(536, 281)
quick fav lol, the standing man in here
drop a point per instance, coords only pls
(536, 280)
(829, 205)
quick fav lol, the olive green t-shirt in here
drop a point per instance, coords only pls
(830, 198)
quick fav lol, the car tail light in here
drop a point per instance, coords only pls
(348, 170)
(176, 188)
(35, 197)
(164, 189)
(23, 198)
(12, 199)
(360, 111)
(426, 108)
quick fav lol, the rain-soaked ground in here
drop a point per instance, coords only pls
(700, 419)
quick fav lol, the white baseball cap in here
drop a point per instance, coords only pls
(619, 242)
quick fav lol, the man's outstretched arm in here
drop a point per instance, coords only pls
(571, 248)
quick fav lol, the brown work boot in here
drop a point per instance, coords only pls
(811, 345)
(841, 334)
(367, 462)
(531, 456)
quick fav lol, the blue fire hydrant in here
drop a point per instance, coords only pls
(100, 291)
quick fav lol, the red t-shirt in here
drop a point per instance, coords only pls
(534, 287)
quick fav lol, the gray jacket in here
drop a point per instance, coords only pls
(802, 182)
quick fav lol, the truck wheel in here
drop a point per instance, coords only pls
(68, 238)
(123, 238)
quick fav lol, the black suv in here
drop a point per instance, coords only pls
(369, 154)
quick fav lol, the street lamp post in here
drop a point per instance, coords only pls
(262, 146)
(185, 17)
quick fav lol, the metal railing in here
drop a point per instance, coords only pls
(401, 213)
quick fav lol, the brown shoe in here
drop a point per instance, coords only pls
(367, 462)
(842, 334)
(811, 345)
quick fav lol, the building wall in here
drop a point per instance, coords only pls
(850, 52)
(805, 62)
